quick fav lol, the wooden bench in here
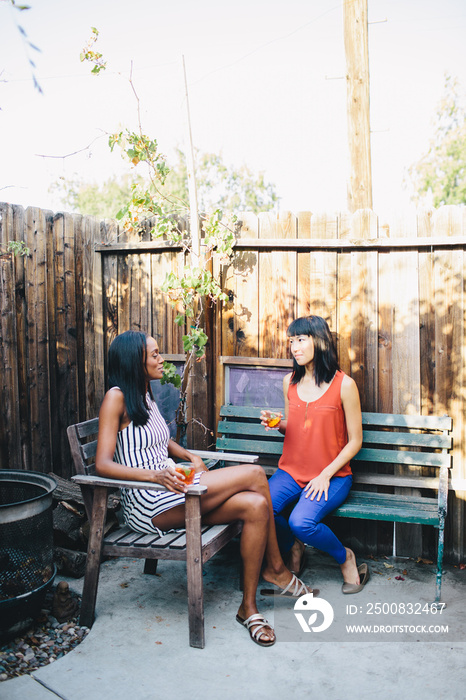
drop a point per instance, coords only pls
(195, 545)
(398, 447)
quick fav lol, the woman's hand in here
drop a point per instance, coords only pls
(198, 463)
(169, 478)
(274, 416)
(318, 486)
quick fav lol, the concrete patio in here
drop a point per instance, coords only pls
(138, 647)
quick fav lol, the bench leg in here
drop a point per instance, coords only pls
(94, 552)
(150, 566)
(194, 572)
(441, 540)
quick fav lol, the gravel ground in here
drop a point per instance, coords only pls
(42, 643)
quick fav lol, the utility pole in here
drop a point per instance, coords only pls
(358, 104)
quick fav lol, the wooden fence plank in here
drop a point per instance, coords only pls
(303, 263)
(426, 313)
(364, 319)
(38, 230)
(63, 351)
(323, 271)
(93, 339)
(110, 300)
(10, 453)
(18, 234)
(277, 286)
(241, 330)
(343, 321)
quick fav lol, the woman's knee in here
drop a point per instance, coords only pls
(254, 505)
(258, 473)
(256, 478)
(303, 530)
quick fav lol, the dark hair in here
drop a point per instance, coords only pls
(325, 354)
(126, 361)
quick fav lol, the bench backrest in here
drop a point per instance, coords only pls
(409, 442)
(83, 444)
(401, 445)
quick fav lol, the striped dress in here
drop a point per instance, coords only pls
(146, 447)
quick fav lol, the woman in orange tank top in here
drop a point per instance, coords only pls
(323, 431)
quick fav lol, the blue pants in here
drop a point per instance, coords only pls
(304, 521)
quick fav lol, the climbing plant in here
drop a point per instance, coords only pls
(188, 291)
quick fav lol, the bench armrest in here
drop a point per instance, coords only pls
(226, 456)
(91, 480)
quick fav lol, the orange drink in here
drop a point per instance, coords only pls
(273, 420)
(187, 472)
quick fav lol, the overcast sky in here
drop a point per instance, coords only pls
(266, 89)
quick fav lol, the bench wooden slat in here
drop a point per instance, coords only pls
(211, 534)
(243, 411)
(269, 447)
(166, 539)
(411, 482)
(88, 427)
(148, 540)
(180, 542)
(395, 420)
(114, 536)
(395, 498)
(420, 459)
(387, 514)
(385, 437)
(232, 428)
(89, 449)
(130, 539)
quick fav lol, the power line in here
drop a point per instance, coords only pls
(267, 43)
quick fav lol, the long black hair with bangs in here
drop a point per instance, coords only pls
(126, 370)
(325, 354)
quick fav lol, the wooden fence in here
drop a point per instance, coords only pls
(393, 293)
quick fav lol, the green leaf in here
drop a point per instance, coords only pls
(121, 214)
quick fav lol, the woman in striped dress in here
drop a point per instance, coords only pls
(134, 444)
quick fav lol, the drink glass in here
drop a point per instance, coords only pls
(273, 420)
(187, 472)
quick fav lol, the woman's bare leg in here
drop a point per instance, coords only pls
(223, 484)
(252, 509)
(253, 478)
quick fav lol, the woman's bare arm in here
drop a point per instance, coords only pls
(111, 414)
(175, 450)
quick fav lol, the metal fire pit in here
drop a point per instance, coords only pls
(26, 544)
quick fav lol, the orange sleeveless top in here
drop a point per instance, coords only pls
(315, 433)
